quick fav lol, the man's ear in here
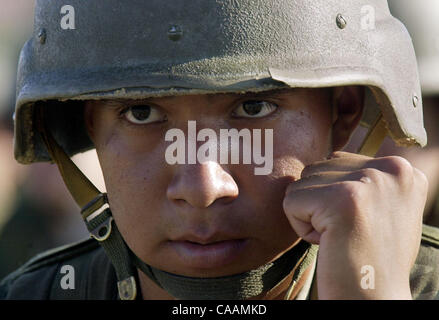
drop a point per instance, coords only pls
(347, 111)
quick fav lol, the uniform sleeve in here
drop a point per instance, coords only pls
(424, 277)
(90, 276)
(35, 285)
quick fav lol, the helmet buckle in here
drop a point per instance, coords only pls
(98, 218)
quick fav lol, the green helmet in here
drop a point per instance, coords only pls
(157, 48)
(422, 21)
(107, 49)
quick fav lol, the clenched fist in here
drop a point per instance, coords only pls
(361, 211)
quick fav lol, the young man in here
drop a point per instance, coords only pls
(218, 126)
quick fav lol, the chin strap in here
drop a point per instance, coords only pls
(236, 287)
(99, 221)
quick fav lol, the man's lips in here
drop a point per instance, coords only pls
(208, 253)
(205, 240)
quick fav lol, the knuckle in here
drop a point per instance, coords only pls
(350, 201)
(307, 171)
(372, 173)
(339, 154)
(398, 166)
(351, 193)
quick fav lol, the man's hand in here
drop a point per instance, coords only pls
(361, 211)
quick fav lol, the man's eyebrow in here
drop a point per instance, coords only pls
(235, 96)
(265, 94)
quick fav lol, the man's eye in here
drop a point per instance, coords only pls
(143, 114)
(254, 109)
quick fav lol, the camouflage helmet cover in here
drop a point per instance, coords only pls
(159, 48)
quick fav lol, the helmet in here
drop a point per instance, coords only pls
(209, 47)
(109, 49)
(422, 21)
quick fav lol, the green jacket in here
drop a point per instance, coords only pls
(95, 278)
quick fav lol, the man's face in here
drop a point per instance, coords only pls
(206, 219)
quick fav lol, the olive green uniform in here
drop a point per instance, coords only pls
(95, 277)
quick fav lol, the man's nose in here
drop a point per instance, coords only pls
(201, 184)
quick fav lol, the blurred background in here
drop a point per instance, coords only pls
(38, 213)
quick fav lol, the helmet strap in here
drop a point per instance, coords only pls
(95, 212)
(374, 137)
(242, 286)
